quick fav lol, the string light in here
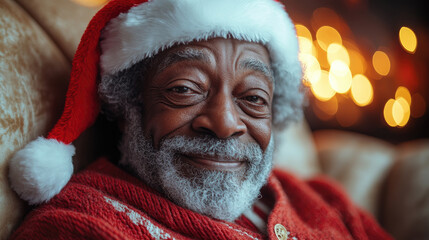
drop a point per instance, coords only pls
(91, 3)
(388, 113)
(340, 76)
(321, 89)
(408, 39)
(311, 67)
(381, 63)
(329, 62)
(361, 90)
(404, 93)
(327, 35)
(336, 51)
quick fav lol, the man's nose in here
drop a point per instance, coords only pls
(220, 118)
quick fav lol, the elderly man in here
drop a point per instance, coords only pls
(197, 87)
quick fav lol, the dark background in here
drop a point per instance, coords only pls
(375, 25)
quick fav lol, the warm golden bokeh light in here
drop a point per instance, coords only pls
(418, 108)
(408, 39)
(90, 3)
(405, 111)
(327, 35)
(404, 93)
(321, 55)
(326, 110)
(381, 63)
(311, 68)
(321, 89)
(397, 112)
(361, 90)
(340, 76)
(357, 62)
(305, 45)
(329, 107)
(388, 113)
(336, 51)
(302, 31)
(320, 114)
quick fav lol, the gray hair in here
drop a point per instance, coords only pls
(121, 91)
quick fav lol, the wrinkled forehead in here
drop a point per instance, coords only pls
(251, 56)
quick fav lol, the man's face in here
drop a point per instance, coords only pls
(222, 88)
(203, 133)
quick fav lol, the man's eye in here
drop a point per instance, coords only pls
(180, 89)
(255, 100)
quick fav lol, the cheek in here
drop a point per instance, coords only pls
(260, 130)
(161, 121)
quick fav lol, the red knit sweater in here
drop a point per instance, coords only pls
(104, 202)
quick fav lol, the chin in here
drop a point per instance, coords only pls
(215, 192)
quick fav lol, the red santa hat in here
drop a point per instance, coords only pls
(123, 33)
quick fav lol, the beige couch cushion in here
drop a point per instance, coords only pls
(295, 150)
(63, 20)
(38, 40)
(360, 163)
(33, 81)
(405, 212)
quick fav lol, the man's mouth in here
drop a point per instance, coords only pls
(214, 163)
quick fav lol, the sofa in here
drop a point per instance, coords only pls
(38, 41)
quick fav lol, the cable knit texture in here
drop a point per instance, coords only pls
(104, 202)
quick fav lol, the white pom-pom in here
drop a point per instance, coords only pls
(41, 169)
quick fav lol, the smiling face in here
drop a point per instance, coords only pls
(221, 88)
(201, 133)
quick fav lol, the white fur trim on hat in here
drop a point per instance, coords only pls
(41, 169)
(156, 25)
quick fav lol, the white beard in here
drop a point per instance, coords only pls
(222, 195)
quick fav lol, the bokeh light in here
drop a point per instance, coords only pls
(337, 68)
(401, 112)
(311, 68)
(302, 31)
(306, 46)
(321, 89)
(388, 113)
(340, 76)
(361, 90)
(336, 51)
(90, 3)
(321, 55)
(381, 63)
(357, 62)
(397, 112)
(404, 93)
(408, 39)
(327, 35)
(327, 109)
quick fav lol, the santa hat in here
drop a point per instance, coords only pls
(123, 33)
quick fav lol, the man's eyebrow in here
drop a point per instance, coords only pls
(257, 65)
(185, 54)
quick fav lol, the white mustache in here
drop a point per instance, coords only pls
(210, 147)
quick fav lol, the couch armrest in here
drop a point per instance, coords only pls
(295, 150)
(405, 204)
(33, 80)
(360, 163)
